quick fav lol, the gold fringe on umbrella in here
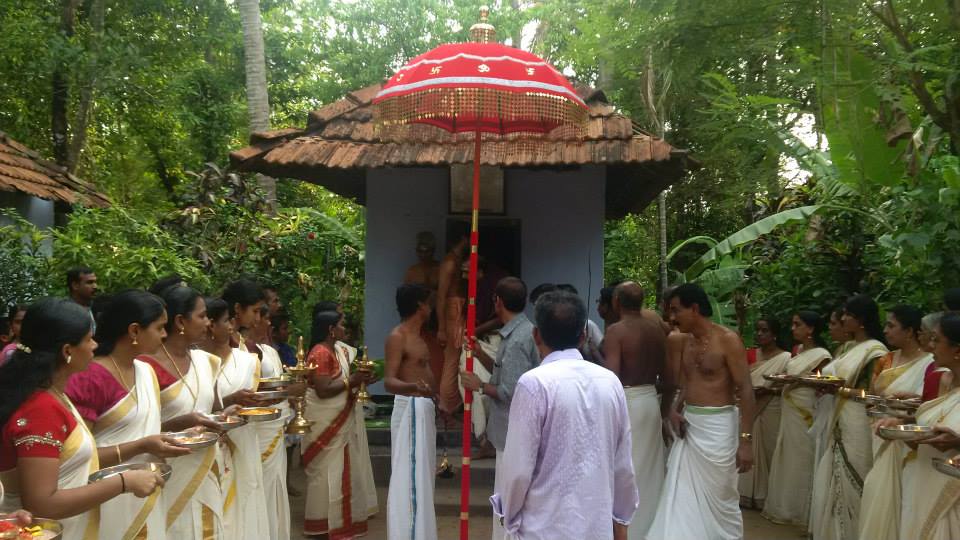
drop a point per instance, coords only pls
(502, 113)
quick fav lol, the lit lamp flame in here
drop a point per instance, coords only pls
(863, 394)
(818, 373)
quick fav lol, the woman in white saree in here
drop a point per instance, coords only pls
(271, 434)
(771, 360)
(47, 452)
(790, 481)
(899, 374)
(241, 474)
(192, 496)
(838, 480)
(931, 509)
(118, 395)
(341, 495)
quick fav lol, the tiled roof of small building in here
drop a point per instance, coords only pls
(23, 170)
(340, 142)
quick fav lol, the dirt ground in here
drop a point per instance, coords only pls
(448, 523)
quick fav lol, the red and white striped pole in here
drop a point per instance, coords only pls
(471, 333)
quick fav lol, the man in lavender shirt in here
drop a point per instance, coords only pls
(567, 467)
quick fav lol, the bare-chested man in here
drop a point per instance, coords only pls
(635, 349)
(413, 433)
(451, 317)
(707, 366)
(425, 270)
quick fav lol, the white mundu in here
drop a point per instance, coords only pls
(766, 427)
(700, 497)
(478, 412)
(792, 465)
(838, 481)
(78, 460)
(649, 455)
(192, 497)
(933, 512)
(880, 505)
(134, 417)
(413, 460)
(241, 474)
(273, 454)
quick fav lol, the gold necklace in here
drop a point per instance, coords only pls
(123, 381)
(703, 344)
(180, 373)
(223, 366)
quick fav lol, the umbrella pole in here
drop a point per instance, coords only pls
(471, 333)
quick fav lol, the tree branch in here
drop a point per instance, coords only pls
(917, 82)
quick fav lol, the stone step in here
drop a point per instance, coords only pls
(481, 470)
(451, 438)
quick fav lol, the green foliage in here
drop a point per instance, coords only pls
(308, 254)
(630, 249)
(126, 250)
(873, 81)
(160, 92)
(26, 272)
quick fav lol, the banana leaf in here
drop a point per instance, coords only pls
(851, 88)
(749, 234)
(710, 242)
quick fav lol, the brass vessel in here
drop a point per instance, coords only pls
(300, 425)
(365, 366)
(445, 469)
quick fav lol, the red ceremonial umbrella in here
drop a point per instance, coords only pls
(478, 87)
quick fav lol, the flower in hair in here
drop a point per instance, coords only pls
(24, 348)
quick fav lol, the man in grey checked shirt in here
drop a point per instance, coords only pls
(517, 355)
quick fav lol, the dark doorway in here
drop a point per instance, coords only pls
(499, 255)
(499, 241)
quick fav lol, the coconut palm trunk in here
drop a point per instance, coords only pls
(258, 102)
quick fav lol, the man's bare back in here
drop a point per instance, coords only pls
(407, 365)
(450, 273)
(635, 348)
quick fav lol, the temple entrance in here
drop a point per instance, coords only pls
(500, 244)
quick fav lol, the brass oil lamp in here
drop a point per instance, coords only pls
(366, 367)
(300, 425)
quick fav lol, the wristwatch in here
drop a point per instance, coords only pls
(746, 436)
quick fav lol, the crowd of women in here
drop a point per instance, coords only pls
(821, 462)
(82, 390)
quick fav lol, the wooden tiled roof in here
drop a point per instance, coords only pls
(23, 170)
(340, 142)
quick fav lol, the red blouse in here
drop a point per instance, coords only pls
(325, 360)
(164, 378)
(94, 391)
(931, 383)
(37, 429)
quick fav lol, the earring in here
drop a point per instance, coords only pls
(69, 358)
(181, 330)
(135, 340)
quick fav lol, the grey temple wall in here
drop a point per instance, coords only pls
(561, 215)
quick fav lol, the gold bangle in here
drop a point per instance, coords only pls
(746, 436)
(346, 385)
(119, 459)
